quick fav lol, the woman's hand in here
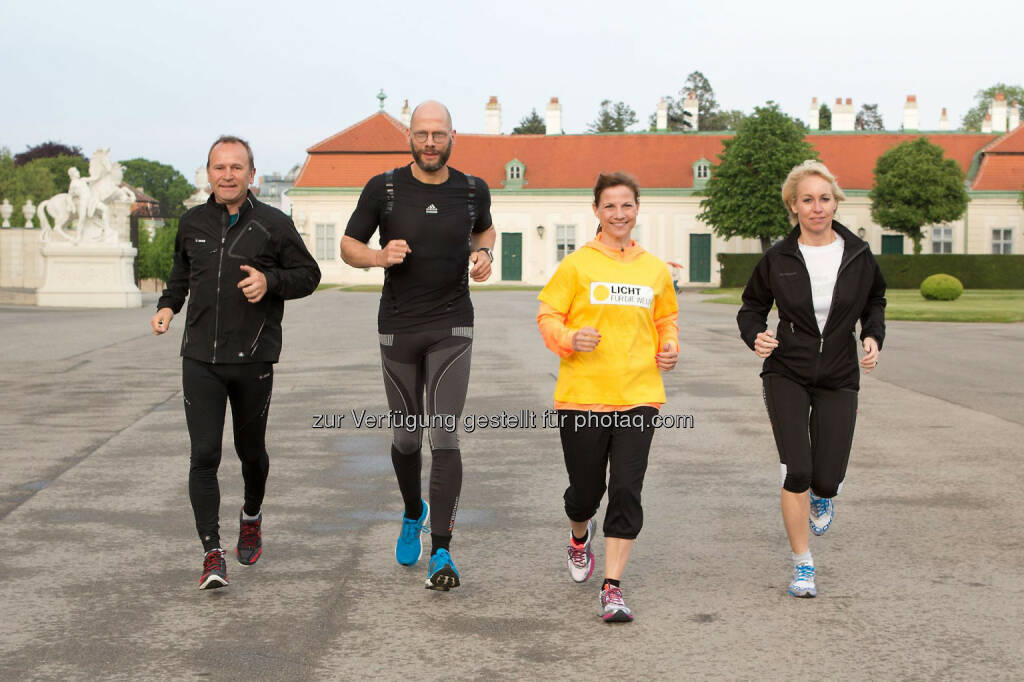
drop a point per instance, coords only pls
(585, 339)
(667, 358)
(765, 343)
(870, 359)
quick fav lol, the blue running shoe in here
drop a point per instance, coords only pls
(442, 574)
(409, 547)
(803, 581)
(823, 510)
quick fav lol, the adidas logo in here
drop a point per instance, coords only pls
(431, 210)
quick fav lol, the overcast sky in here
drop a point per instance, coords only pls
(162, 80)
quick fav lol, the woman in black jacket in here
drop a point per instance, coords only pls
(823, 279)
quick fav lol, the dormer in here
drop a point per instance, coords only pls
(701, 173)
(515, 174)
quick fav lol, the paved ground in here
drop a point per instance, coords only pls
(920, 577)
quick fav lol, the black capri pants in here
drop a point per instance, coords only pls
(813, 430)
(616, 444)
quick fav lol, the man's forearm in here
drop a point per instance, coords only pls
(485, 239)
(358, 254)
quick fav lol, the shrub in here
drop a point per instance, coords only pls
(941, 288)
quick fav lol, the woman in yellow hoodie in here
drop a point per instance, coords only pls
(610, 313)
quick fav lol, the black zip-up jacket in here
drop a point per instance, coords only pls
(221, 325)
(827, 359)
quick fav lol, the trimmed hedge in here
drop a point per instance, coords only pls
(976, 271)
(941, 288)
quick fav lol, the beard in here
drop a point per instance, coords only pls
(442, 158)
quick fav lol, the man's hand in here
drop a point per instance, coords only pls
(393, 253)
(161, 322)
(481, 268)
(254, 286)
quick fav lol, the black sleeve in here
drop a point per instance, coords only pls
(757, 303)
(366, 218)
(174, 294)
(483, 206)
(296, 273)
(872, 318)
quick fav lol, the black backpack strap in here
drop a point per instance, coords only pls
(389, 189)
(471, 182)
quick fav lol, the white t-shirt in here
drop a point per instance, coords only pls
(823, 267)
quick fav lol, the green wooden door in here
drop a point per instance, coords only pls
(892, 243)
(511, 256)
(700, 257)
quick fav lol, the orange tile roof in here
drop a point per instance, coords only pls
(1002, 163)
(377, 143)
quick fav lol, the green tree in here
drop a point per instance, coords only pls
(723, 120)
(915, 185)
(613, 118)
(57, 167)
(160, 181)
(709, 116)
(824, 117)
(19, 184)
(868, 118)
(156, 254)
(531, 124)
(976, 115)
(46, 150)
(742, 196)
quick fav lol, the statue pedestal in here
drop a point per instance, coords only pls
(89, 276)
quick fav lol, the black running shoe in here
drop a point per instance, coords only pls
(250, 540)
(215, 570)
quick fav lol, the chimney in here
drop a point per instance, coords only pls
(553, 118)
(842, 115)
(944, 120)
(406, 114)
(986, 125)
(492, 117)
(1014, 118)
(691, 106)
(812, 114)
(999, 113)
(911, 116)
(662, 115)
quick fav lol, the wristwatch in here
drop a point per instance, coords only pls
(489, 253)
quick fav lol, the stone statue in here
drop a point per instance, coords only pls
(87, 202)
(202, 192)
(5, 213)
(28, 210)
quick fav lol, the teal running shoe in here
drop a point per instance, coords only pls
(442, 574)
(409, 547)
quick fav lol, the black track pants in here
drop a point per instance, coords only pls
(426, 375)
(616, 444)
(813, 430)
(207, 389)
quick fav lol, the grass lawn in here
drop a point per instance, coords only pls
(977, 305)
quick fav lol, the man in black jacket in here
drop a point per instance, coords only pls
(237, 260)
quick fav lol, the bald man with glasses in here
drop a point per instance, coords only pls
(435, 234)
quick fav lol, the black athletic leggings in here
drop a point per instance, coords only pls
(616, 443)
(434, 364)
(207, 389)
(813, 430)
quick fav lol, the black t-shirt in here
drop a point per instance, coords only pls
(430, 289)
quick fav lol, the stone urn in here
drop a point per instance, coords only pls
(28, 210)
(5, 213)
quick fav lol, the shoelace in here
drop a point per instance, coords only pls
(819, 505)
(212, 561)
(613, 595)
(411, 528)
(249, 533)
(804, 572)
(578, 555)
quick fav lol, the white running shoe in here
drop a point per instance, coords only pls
(581, 559)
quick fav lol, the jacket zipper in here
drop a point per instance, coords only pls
(220, 265)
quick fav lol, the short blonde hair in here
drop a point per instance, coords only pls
(801, 171)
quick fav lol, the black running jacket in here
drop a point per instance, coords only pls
(221, 326)
(827, 359)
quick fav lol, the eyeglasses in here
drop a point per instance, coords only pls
(437, 137)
